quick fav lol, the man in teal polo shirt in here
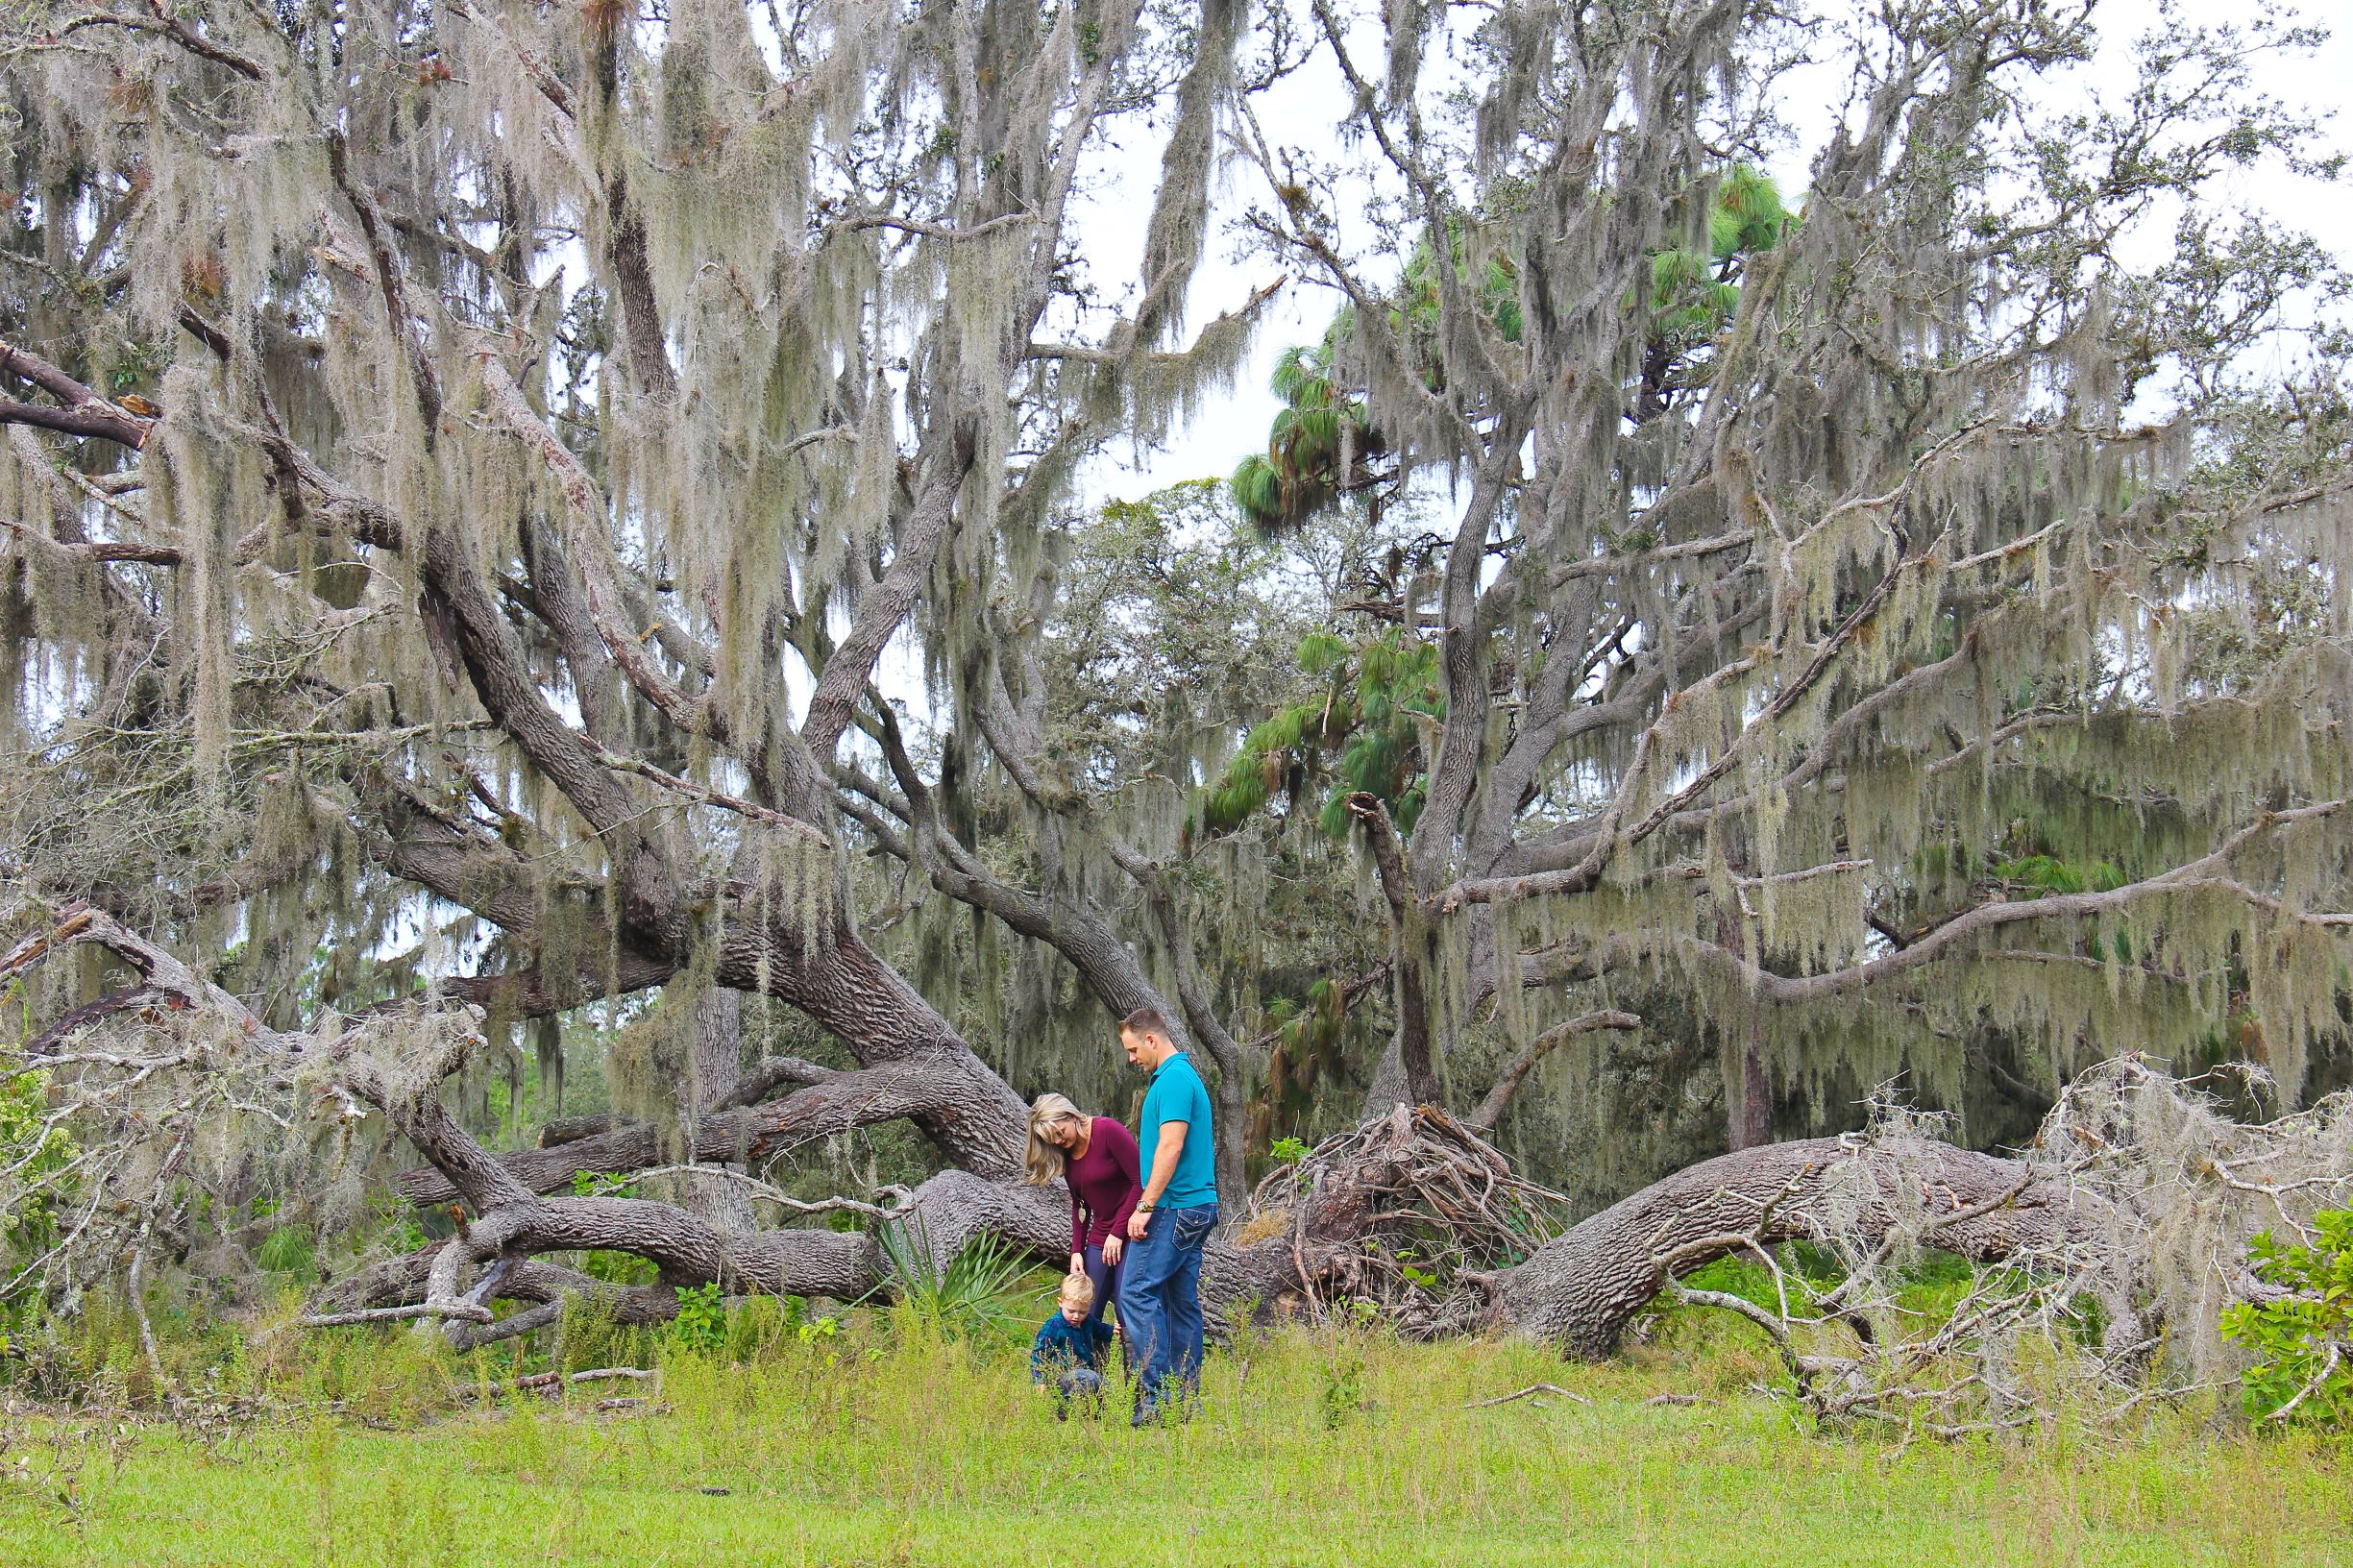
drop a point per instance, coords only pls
(1160, 1286)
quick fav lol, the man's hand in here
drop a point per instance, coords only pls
(1112, 1245)
(1078, 1263)
(1136, 1223)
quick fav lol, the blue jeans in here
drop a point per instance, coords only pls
(1160, 1304)
(1079, 1384)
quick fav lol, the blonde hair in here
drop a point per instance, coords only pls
(1077, 1290)
(1042, 1158)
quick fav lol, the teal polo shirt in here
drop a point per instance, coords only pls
(1178, 1094)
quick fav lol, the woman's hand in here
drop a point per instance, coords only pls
(1111, 1251)
(1078, 1263)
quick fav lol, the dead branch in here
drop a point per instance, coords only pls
(1554, 1389)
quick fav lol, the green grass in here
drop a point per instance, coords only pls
(891, 1444)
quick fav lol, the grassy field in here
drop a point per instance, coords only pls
(891, 1445)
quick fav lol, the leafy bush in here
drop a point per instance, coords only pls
(702, 1323)
(2302, 1340)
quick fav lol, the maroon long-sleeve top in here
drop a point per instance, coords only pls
(1105, 1186)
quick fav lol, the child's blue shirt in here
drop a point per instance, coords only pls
(1063, 1345)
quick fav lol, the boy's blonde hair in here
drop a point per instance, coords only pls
(1077, 1290)
(1043, 1160)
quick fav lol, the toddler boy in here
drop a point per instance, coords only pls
(1070, 1351)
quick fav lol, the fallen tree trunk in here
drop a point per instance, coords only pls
(1580, 1289)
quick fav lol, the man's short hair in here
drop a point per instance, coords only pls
(1077, 1290)
(1148, 1020)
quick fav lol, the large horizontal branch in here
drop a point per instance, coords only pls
(840, 1103)
(86, 412)
(1580, 1289)
(105, 423)
(805, 1263)
(2203, 874)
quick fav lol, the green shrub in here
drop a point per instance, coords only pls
(36, 1156)
(702, 1323)
(2303, 1339)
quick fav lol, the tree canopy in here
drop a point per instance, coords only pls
(574, 523)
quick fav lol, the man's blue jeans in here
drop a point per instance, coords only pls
(1160, 1304)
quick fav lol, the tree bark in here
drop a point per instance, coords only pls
(1581, 1289)
(1748, 1092)
(713, 1074)
(718, 1050)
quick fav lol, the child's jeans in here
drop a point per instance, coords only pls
(1082, 1384)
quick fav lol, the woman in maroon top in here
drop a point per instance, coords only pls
(1096, 1156)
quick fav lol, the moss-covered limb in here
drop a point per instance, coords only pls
(840, 1102)
(599, 572)
(407, 316)
(843, 679)
(1550, 725)
(1498, 1097)
(1460, 757)
(104, 551)
(556, 597)
(2206, 875)
(1408, 1074)
(474, 869)
(90, 420)
(85, 926)
(164, 24)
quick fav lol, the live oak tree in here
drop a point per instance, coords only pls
(1821, 611)
(478, 469)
